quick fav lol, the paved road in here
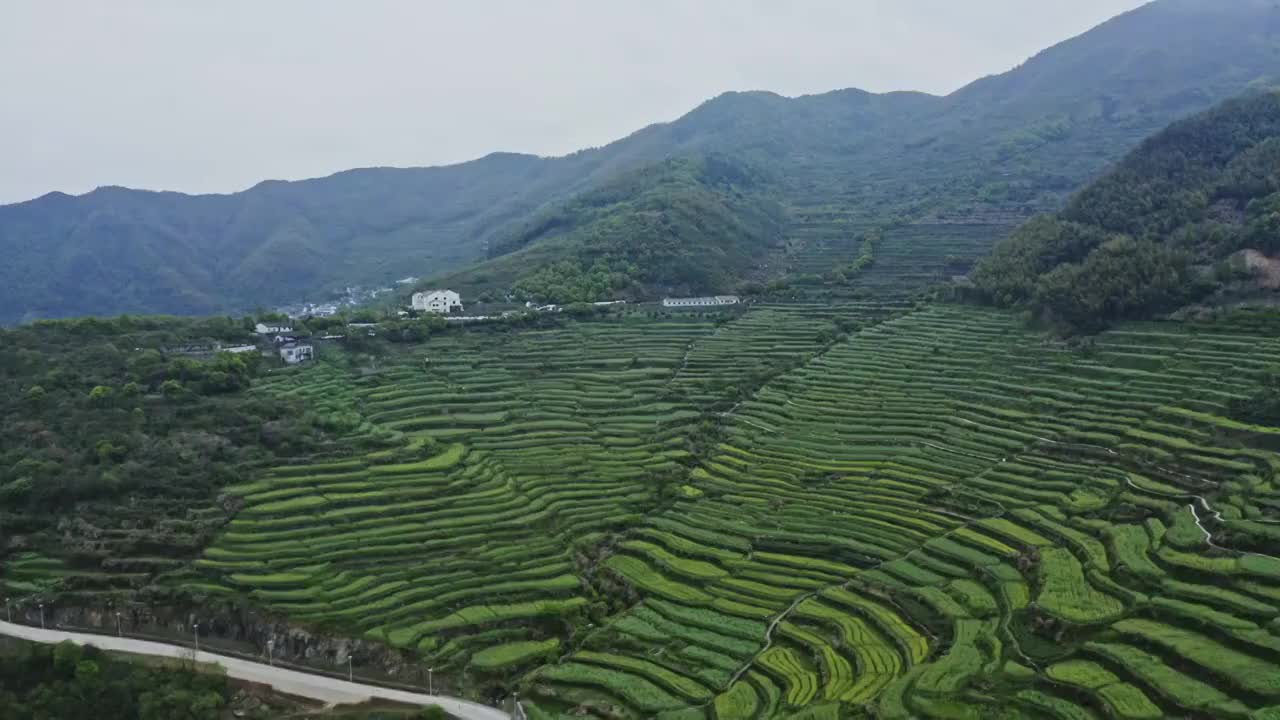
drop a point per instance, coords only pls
(292, 682)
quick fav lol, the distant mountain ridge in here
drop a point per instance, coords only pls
(1009, 144)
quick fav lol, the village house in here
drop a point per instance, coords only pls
(294, 353)
(264, 329)
(437, 301)
(701, 301)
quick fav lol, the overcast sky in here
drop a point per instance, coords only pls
(215, 96)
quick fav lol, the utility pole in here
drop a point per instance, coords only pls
(195, 630)
(119, 630)
(351, 673)
(431, 681)
(41, 616)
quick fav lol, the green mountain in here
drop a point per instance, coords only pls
(1138, 241)
(683, 225)
(984, 157)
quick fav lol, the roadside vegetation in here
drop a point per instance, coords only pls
(68, 681)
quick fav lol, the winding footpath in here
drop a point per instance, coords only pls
(328, 690)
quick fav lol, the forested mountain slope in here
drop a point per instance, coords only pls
(685, 225)
(1000, 148)
(1139, 240)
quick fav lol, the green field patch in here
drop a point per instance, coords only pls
(1248, 672)
(636, 572)
(446, 460)
(1046, 705)
(635, 691)
(960, 664)
(1183, 532)
(1066, 594)
(1015, 532)
(1129, 547)
(797, 676)
(272, 580)
(1082, 674)
(305, 503)
(695, 569)
(658, 674)
(837, 672)
(491, 614)
(644, 622)
(1129, 703)
(706, 619)
(739, 702)
(1181, 689)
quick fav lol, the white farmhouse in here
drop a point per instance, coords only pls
(437, 301)
(294, 353)
(701, 301)
(264, 329)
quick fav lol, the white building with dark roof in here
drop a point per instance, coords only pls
(714, 301)
(437, 301)
(294, 353)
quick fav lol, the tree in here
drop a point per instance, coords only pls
(1122, 279)
(101, 395)
(108, 452)
(66, 655)
(88, 674)
(172, 389)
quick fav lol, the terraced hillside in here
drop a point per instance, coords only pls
(822, 237)
(910, 257)
(536, 441)
(941, 516)
(825, 237)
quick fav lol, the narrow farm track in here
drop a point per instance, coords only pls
(290, 682)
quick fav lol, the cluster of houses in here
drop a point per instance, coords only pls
(290, 348)
(293, 350)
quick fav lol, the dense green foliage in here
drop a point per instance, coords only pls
(683, 226)
(43, 682)
(989, 153)
(101, 415)
(1126, 246)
